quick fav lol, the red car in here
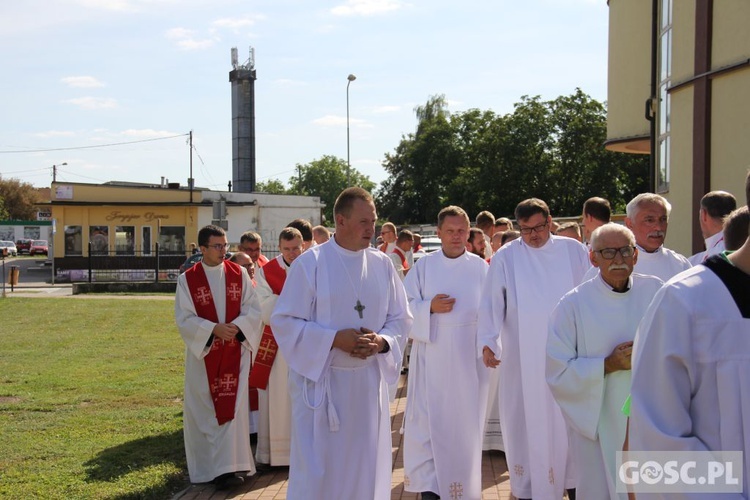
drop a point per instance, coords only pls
(39, 246)
(24, 245)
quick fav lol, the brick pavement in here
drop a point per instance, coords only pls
(271, 485)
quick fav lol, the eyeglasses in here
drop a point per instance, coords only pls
(219, 246)
(535, 229)
(610, 253)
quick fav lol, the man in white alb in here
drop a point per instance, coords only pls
(447, 393)
(714, 207)
(691, 365)
(269, 372)
(340, 323)
(526, 279)
(216, 311)
(590, 341)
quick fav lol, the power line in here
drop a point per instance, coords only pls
(92, 147)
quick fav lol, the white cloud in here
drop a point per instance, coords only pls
(55, 133)
(366, 7)
(236, 24)
(340, 121)
(386, 109)
(93, 102)
(147, 133)
(185, 40)
(81, 82)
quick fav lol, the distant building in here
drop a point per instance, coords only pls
(124, 225)
(693, 82)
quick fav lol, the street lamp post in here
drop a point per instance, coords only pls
(350, 79)
(51, 249)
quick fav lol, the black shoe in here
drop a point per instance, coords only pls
(228, 481)
(428, 495)
(261, 467)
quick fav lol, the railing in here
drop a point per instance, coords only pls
(115, 265)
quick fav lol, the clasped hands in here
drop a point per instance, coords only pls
(361, 343)
(225, 331)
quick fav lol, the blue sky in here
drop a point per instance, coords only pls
(80, 73)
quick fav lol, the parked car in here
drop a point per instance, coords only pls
(39, 246)
(12, 250)
(24, 245)
(429, 245)
(191, 261)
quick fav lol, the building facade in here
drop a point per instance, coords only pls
(126, 231)
(679, 89)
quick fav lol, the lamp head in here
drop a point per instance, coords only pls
(351, 78)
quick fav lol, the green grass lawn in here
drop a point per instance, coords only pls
(90, 399)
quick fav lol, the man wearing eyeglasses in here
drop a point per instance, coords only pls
(252, 244)
(216, 311)
(589, 348)
(691, 365)
(388, 233)
(526, 279)
(269, 373)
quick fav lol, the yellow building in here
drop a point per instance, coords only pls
(129, 231)
(679, 89)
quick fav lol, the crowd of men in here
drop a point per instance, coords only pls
(562, 333)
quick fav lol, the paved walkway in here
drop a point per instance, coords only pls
(272, 484)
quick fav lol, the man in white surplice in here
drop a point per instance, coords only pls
(648, 218)
(447, 393)
(215, 451)
(691, 365)
(590, 341)
(340, 322)
(274, 405)
(526, 279)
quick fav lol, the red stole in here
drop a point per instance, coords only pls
(275, 276)
(383, 247)
(401, 255)
(223, 360)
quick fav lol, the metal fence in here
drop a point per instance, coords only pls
(108, 266)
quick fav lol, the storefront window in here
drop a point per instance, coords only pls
(172, 239)
(73, 241)
(146, 240)
(99, 239)
(125, 240)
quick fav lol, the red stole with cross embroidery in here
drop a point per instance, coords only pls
(223, 360)
(401, 256)
(275, 276)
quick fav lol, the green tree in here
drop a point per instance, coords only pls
(272, 186)
(478, 160)
(18, 199)
(3, 212)
(326, 178)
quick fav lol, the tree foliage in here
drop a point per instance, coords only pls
(272, 186)
(326, 178)
(17, 200)
(479, 160)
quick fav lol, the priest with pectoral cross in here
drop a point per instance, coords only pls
(340, 323)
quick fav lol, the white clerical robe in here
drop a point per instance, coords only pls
(341, 441)
(714, 246)
(691, 370)
(213, 449)
(447, 391)
(585, 327)
(663, 263)
(523, 286)
(274, 405)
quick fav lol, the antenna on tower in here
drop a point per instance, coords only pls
(235, 62)
(251, 60)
